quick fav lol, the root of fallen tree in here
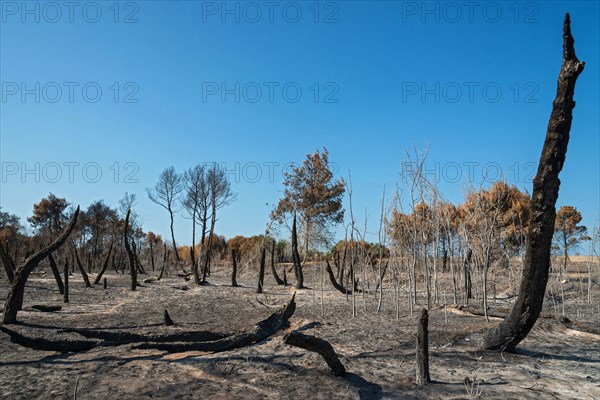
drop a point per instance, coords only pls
(173, 342)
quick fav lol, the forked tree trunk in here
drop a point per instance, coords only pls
(525, 312)
(14, 300)
(261, 272)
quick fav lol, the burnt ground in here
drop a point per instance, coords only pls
(555, 361)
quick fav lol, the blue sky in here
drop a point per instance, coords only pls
(127, 91)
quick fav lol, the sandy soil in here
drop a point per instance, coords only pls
(554, 362)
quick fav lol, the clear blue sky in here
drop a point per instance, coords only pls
(474, 84)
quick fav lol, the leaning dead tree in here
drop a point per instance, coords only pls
(84, 274)
(14, 300)
(273, 270)
(105, 264)
(338, 286)
(508, 334)
(55, 271)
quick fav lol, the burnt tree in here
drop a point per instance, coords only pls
(234, 268)
(9, 264)
(296, 257)
(130, 255)
(66, 273)
(273, 270)
(14, 300)
(423, 377)
(317, 345)
(54, 268)
(261, 272)
(525, 312)
(84, 274)
(104, 264)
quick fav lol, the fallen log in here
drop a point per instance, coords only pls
(128, 337)
(44, 308)
(62, 345)
(259, 332)
(495, 313)
(317, 345)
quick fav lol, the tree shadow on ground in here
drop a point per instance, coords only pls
(366, 389)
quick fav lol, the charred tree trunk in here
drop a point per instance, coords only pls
(54, 268)
(261, 271)
(467, 271)
(234, 268)
(104, 264)
(66, 274)
(9, 264)
(86, 279)
(273, 270)
(14, 300)
(296, 257)
(131, 256)
(339, 287)
(152, 256)
(257, 333)
(508, 334)
(423, 377)
(167, 321)
(317, 345)
(138, 263)
(177, 259)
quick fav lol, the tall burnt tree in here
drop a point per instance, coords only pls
(221, 195)
(508, 334)
(165, 193)
(313, 197)
(130, 252)
(14, 300)
(197, 203)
